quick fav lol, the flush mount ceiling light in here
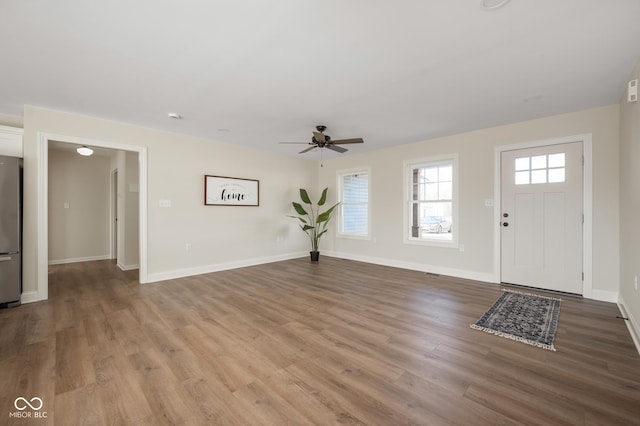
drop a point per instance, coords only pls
(84, 150)
(492, 4)
(174, 115)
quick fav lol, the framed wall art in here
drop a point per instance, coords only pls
(230, 191)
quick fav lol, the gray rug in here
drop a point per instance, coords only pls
(523, 317)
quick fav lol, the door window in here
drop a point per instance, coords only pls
(540, 169)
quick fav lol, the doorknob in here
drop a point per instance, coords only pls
(505, 224)
(505, 214)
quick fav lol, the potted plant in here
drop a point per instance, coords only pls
(313, 222)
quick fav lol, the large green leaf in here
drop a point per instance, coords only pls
(324, 217)
(304, 196)
(299, 208)
(301, 219)
(323, 197)
(307, 227)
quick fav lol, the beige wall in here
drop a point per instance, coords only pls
(219, 236)
(630, 207)
(11, 120)
(476, 183)
(232, 235)
(81, 231)
(11, 141)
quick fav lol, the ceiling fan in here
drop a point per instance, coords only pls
(320, 140)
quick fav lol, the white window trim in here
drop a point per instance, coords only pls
(407, 201)
(339, 175)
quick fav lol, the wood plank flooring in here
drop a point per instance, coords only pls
(298, 343)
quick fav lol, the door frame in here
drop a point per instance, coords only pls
(42, 210)
(587, 204)
(113, 218)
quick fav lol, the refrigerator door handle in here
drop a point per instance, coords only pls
(5, 258)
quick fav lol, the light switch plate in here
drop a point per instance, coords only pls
(632, 92)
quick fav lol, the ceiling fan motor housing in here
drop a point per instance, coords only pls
(324, 140)
(320, 143)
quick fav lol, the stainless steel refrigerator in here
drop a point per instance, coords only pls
(10, 231)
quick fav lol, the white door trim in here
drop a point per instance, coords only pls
(113, 214)
(587, 187)
(42, 205)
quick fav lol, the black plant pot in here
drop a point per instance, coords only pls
(315, 256)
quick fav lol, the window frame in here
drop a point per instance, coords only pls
(408, 167)
(340, 174)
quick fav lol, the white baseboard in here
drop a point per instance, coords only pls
(601, 295)
(79, 259)
(128, 267)
(206, 269)
(433, 269)
(632, 324)
(604, 295)
(29, 297)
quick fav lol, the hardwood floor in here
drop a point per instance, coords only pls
(338, 342)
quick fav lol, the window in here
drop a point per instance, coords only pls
(431, 191)
(354, 203)
(540, 169)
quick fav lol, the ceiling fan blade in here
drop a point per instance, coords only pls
(296, 143)
(308, 149)
(319, 136)
(343, 141)
(337, 148)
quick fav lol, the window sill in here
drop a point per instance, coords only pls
(354, 236)
(431, 242)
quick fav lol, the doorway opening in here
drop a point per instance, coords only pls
(140, 153)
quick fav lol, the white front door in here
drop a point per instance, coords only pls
(542, 217)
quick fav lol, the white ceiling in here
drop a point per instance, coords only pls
(258, 72)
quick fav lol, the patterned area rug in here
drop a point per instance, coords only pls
(523, 317)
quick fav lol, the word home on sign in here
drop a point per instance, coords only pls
(225, 191)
